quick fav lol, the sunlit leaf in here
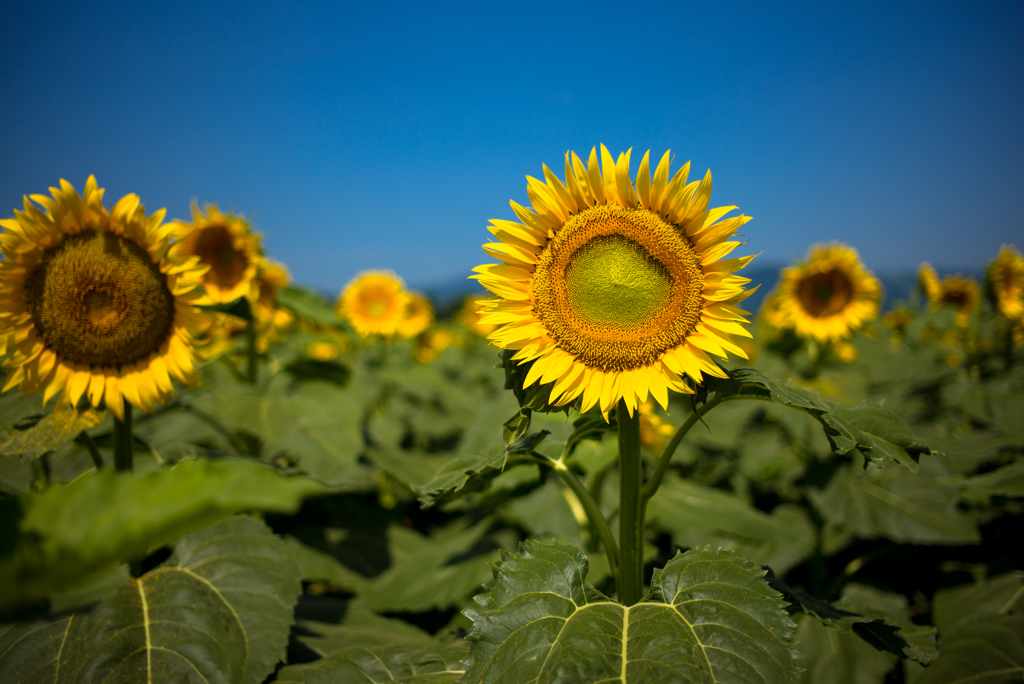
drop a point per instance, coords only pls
(53, 430)
(67, 532)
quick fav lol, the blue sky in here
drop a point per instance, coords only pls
(385, 135)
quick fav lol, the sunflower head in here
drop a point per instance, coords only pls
(956, 291)
(374, 303)
(613, 289)
(830, 295)
(417, 315)
(226, 243)
(430, 343)
(1005, 280)
(95, 302)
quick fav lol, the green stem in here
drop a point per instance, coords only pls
(631, 507)
(611, 550)
(123, 441)
(94, 453)
(666, 457)
(251, 349)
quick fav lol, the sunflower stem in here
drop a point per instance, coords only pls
(94, 453)
(631, 507)
(250, 330)
(123, 441)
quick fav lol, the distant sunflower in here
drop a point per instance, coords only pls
(227, 244)
(955, 291)
(830, 295)
(655, 431)
(1006, 281)
(430, 343)
(898, 320)
(96, 302)
(615, 291)
(374, 303)
(417, 315)
(473, 307)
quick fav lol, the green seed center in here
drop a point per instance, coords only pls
(613, 282)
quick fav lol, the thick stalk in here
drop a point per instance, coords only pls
(593, 512)
(631, 514)
(123, 440)
(251, 349)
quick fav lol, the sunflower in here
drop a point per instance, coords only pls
(1006, 281)
(416, 316)
(655, 431)
(898, 320)
(94, 302)
(615, 291)
(955, 291)
(373, 302)
(227, 244)
(430, 343)
(469, 315)
(830, 295)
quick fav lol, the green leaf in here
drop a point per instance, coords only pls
(308, 304)
(67, 532)
(837, 657)
(53, 430)
(363, 627)
(516, 427)
(240, 308)
(959, 606)
(1005, 481)
(400, 664)
(988, 651)
(317, 566)
(875, 431)
(709, 618)
(697, 515)
(894, 504)
(422, 575)
(219, 609)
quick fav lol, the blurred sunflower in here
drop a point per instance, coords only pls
(416, 316)
(615, 291)
(470, 313)
(830, 295)
(1006, 282)
(898, 320)
(227, 244)
(96, 302)
(655, 431)
(374, 303)
(430, 343)
(956, 291)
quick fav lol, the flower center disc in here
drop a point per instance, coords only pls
(215, 246)
(616, 288)
(99, 300)
(825, 294)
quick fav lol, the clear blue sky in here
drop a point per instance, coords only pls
(385, 135)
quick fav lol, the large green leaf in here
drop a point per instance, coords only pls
(875, 431)
(709, 618)
(422, 575)
(959, 606)
(363, 627)
(989, 651)
(894, 504)
(697, 516)
(219, 610)
(1006, 481)
(67, 532)
(399, 664)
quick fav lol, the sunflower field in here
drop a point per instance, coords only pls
(603, 469)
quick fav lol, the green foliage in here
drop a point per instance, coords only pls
(400, 664)
(67, 533)
(49, 433)
(219, 609)
(541, 622)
